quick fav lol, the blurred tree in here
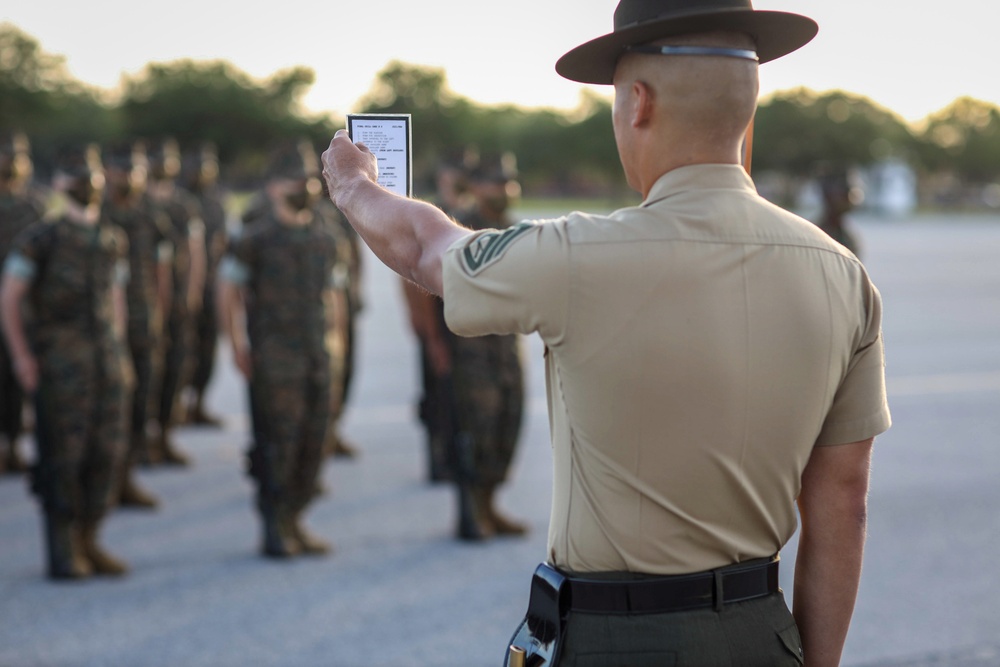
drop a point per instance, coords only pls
(797, 129)
(38, 96)
(196, 102)
(964, 139)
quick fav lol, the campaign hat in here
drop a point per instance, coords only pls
(642, 21)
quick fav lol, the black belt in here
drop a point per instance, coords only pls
(555, 594)
(714, 588)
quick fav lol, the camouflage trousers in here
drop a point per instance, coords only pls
(141, 345)
(206, 338)
(176, 365)
(80, 430)
(11, 398)
(488, 387)
(290, 411)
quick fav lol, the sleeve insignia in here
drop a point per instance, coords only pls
(489, 247)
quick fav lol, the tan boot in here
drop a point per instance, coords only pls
(102, 562)
(309, 544)
(501, 524)
(133, 495)
(171, 455)
(197, 415)
(65, 552)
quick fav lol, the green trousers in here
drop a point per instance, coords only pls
(753, 633)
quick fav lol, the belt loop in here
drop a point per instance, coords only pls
(719, 593)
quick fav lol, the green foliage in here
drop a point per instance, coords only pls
(553, 153)
(213, 101)
(558, 153)
(964, 138)
(797, 129)
(39, 97)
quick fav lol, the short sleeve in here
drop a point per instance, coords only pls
(860, 408)
(19, 266)
(29, 251)
(232, 270)
(508, 281)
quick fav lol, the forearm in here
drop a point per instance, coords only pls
(827, 576)
(120, 304)
(833, 507)
(229, 311)
(11, 293)
(408, 235)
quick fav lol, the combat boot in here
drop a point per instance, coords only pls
(497, 522)
(101, 561)
(133, 495)
(65, 551)
(14, 463)
(197, 415)
(170, 454)
(279, 534)
(309, 544)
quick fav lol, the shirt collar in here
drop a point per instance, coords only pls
(700, 177)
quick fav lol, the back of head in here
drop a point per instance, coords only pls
(705, 98)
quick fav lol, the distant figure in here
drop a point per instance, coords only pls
(839, 196)
(199, 177)
(148, 295)
(188, 276)
(426, 316)
(486, 373)
(276, 284)
(72, 361)
(18, 210)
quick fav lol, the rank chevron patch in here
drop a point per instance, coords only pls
(489, 247)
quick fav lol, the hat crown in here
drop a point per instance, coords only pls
(635, 12)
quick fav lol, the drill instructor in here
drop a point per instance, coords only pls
(711, 361)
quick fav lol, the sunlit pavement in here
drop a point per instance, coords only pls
(400, 591)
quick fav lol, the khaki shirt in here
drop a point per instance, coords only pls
(697, 348)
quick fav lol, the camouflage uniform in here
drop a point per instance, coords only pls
(81, 397)
(205, 325)
(340, 329)
(16, 213)
(148, 233)
(175, 354)
(488, 386)
(285, 272)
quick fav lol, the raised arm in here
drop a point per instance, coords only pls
(833, 506)
(408, 235)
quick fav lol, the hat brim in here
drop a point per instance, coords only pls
(776, 34)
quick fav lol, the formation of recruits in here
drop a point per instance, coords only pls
(109, 319)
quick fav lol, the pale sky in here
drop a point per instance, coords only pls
(913, 61)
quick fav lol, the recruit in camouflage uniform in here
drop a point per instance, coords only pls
(486, 378)
(70, 272)
(199, 175)
(345, 303)
(175, 355)
(277, 276)
(17, 210)
(147, 294)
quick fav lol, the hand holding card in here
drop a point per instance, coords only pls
(387, 136)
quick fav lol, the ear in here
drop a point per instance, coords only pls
(643, 102)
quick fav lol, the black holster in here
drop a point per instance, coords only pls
(542, 631)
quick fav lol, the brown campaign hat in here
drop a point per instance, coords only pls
(641, 21)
